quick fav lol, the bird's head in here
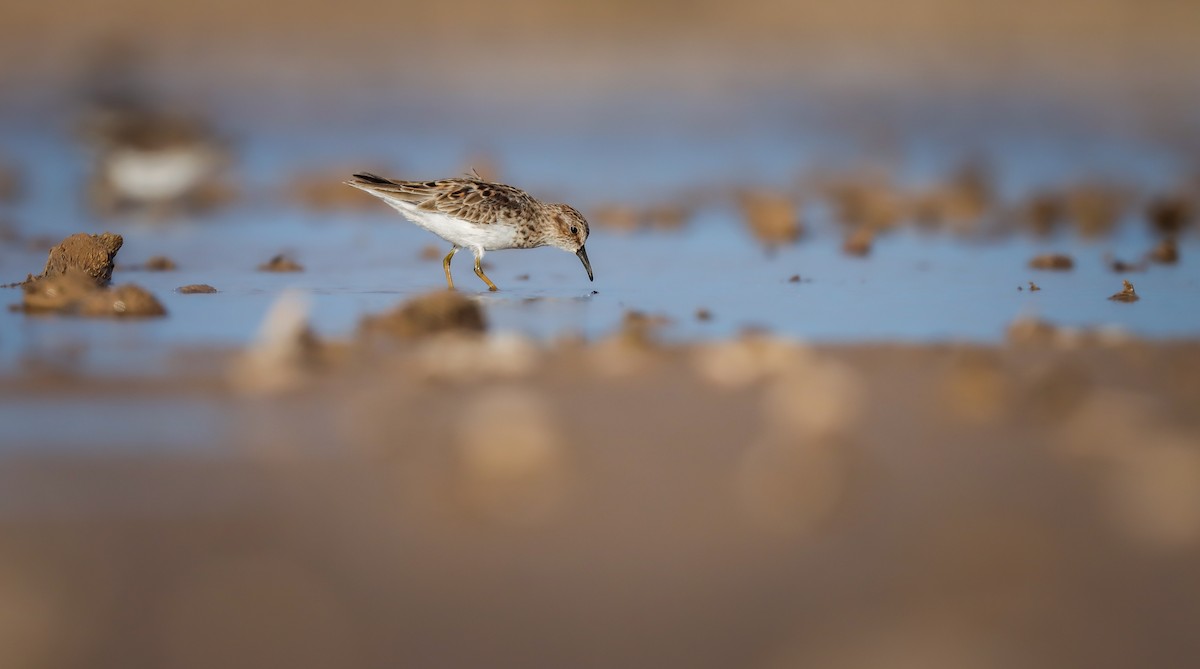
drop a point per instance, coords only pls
(569, 232)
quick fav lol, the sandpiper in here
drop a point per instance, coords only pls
(156, 163)
(482, 216)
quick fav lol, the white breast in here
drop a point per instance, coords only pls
(476, 236)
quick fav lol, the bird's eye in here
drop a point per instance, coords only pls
(574, 230)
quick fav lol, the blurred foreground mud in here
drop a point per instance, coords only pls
(463, 499)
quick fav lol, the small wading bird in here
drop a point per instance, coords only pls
(481, 216)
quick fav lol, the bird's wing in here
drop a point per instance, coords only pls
(470, 199)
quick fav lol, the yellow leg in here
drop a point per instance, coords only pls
(446, 266)
(479, 272)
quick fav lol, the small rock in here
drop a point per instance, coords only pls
(703, 315)
(195, 288)
(1127, 294)
(281, 263)
(1052, 261)
(795, 278)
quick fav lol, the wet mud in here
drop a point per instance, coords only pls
(74, 294)
(90, 254)
(76, 282)
(557, 479)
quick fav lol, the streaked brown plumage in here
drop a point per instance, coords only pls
(482, 216)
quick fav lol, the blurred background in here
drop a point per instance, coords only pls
(616, 82)
(979, 460)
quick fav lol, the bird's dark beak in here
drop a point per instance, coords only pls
(582, 253)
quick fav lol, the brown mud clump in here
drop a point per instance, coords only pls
(1127, 294)
(1052, 261)
(1166, 252)
(1170, 215)
(281, 263)
(59, 292)
(195, 289)
(429, 314)
(91, 254)
(159, 264)
(1121, 267)
(75, 293)
(126, 300)
(772, 217)
(859, 244)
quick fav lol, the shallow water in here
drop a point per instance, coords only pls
(914, 286)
